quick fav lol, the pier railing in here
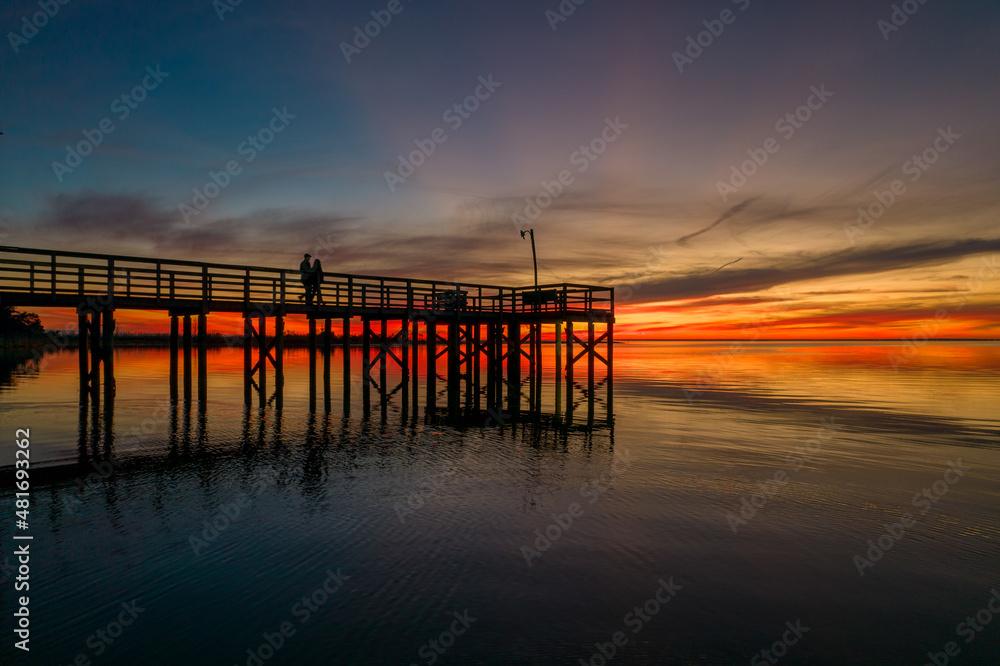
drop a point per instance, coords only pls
(43, 276)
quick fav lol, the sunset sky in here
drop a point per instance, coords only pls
(649, 131)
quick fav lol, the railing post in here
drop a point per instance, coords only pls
(31, 278)
(111, 278)
(246, 289)
(283, 289)
(52, 276)
(205, 295)
(350, 296)
(79, 280)
(158, 266)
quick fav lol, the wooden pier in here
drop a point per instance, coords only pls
(465, 328)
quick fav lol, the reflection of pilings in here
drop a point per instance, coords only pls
(82, 428)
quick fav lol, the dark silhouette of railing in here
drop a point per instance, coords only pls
(38, 277)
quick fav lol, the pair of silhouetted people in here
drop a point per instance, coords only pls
(312, 277)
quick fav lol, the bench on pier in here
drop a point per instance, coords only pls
(450, 300)
(544, 296)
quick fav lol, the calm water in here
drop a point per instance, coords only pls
(408, 521)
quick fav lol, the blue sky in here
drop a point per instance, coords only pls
(322, 179)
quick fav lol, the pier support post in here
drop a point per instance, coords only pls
(454, 369)
(431, 352)
(262, 358)
(279, 361)
(569, 372)
(558, 369)
(108, 349)
(611, 371)
(514, 369)
(82, 349)
(383, 364)
(327, 351)
(415, 372)
(346, 343)
(187, 357)
(95, 359)
(312, 365)
(366, 366)
(247, 357)
(591, 355)
(202, 357)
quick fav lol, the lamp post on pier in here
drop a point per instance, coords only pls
(534, 257)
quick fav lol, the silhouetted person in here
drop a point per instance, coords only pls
(317, 280)
(306, 275)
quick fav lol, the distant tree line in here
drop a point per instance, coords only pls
(17, 324)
